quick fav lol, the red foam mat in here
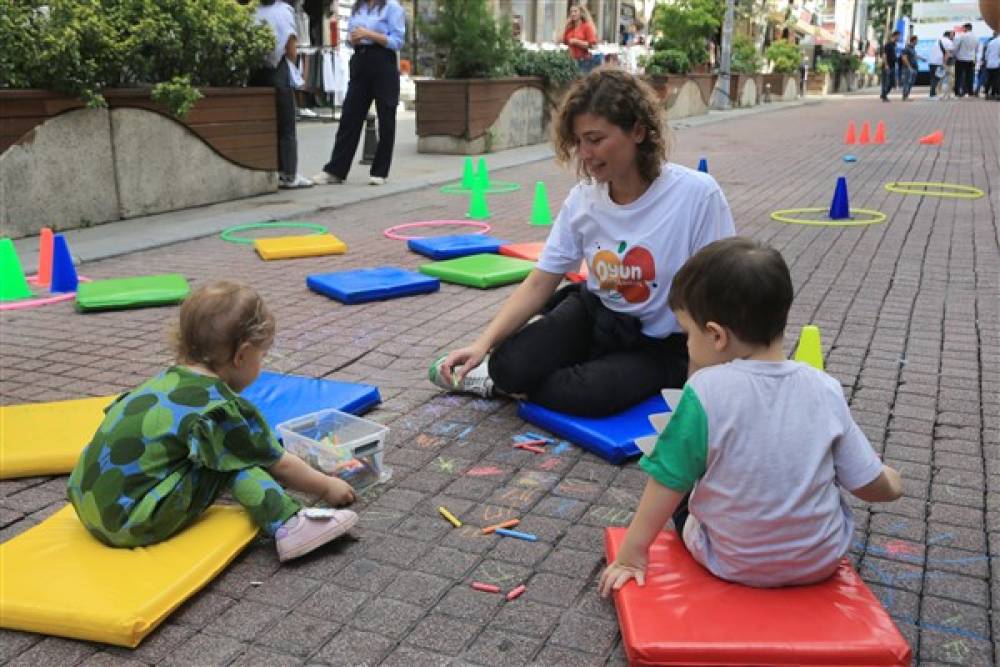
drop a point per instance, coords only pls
(532, 251)
(684, 615)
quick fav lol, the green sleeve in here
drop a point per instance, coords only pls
(678, 458)
(233, 436)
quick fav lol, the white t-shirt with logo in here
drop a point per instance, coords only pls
(764, 448)
(281, 18)
(633, 250)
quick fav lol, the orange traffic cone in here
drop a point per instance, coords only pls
(933, 139)
(849, 137)
(879, 134)
(866, 130)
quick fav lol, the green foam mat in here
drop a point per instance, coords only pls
(482, 271)
(137, 292)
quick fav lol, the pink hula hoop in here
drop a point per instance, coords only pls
(390, 233)
(42, 301)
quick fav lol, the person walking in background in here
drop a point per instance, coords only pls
(908, 66)
(277, 73)
(981, 71)
(965, 61)
(991, 57)
(377, 29)
(889, 60)
(580, 35)
(947, 68)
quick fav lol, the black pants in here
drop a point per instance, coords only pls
(374, 76)
(964, 72)
(584, 359)
(284, 101)
(993, 82)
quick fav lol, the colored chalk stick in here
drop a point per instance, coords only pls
(516, 592)
(539, 441)
(510, 523)
(486, 588)
(516, 533)
(452, 519)
(530, 448)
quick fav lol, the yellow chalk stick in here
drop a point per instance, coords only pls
(451, 517)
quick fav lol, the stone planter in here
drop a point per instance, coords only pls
(471, 116)
(783, 87)
(745, 90)
(65, 166)
(683, 95)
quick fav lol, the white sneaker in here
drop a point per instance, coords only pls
(376, 180)
(326, 178)
(299, 181)
(302, 533)
(477, 381)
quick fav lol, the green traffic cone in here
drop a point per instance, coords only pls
(478, 209)
(810, 349)
(13, 286)
(483, 175)
(468, 174)
(541, 214)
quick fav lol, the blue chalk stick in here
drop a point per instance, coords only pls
(516, 533)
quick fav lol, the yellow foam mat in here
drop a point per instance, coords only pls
(56, 579)
(47, 438)
(290, 247)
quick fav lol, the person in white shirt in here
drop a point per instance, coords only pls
(965, 61)
(945, 71)
(755, 458)
(277, 71)
(611, 342)
(991, 56)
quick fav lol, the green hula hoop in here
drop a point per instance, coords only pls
(495, 187)
(229, 234)
(924, 188)
(788, 215)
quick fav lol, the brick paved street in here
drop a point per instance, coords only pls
(910, 316)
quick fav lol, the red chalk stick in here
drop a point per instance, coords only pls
(540, 441)
(510, 523)
(516, 592)
(486, 588)
(530, 448)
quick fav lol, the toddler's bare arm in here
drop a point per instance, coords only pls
(888, 486)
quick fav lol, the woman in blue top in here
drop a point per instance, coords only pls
(376, 28)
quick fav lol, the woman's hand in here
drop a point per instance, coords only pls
(359, 34)
(617, 574)
(461, 361)
(338, 492)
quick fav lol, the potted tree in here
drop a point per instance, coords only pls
(479, 104)
(785, 59)
(745, 82)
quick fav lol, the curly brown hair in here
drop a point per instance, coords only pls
(216, 319)
(621, 99)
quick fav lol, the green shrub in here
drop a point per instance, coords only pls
(78, 47)
(667, 61)
(687, 25)
(786, 57)
(470, 42)
(745, 59)
(556, 67)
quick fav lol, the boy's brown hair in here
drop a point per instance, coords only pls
(739, 283)
(216, 319)
(622, 100)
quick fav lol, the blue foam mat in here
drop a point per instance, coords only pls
(612, 438)
(282, 397)
(456, 245)
(374, 284)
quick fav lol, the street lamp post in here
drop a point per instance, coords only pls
(720, 96)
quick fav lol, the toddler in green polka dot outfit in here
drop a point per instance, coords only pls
(166, 450)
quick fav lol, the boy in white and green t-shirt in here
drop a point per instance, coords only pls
(752, 463)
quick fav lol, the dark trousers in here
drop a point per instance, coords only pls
(888, 80)
(934, 80)
(964, 72)
(993, 82)
(284, 101)
(574, 360)
(374, 76)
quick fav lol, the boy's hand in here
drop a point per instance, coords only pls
(338, 492)
(618, 573)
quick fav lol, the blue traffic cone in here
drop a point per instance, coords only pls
(703, 165)
(64, 277)
(840, 209)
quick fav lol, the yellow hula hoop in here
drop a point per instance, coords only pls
(788, 215)
(922, 188)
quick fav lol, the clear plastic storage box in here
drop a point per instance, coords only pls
(338, 443)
